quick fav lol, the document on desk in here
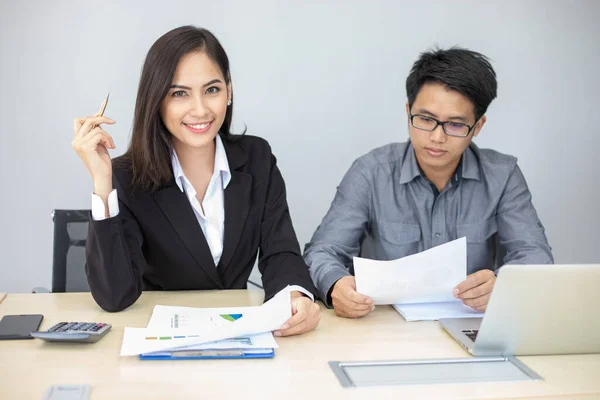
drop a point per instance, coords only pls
(177, 328)
(261, 345)
(419, 286)
(435, 311)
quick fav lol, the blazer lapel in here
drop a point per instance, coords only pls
(237, 206)
(237, 202)
(179, 212)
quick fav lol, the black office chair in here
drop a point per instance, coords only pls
(68, 260)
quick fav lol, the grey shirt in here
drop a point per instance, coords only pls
(386, 209)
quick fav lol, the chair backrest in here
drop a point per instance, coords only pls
(68, 261)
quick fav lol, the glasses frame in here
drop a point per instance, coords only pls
(442, 123)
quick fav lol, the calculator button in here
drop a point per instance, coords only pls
(57, 326)
(86, 326)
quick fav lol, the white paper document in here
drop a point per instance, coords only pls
(180, 327)
(426, 277)
(435, 311)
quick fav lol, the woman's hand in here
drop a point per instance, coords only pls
(306, 315)
(91, 143)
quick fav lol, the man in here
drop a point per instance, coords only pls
(404, 198)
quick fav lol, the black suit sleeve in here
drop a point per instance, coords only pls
(280, 261)
(114, 258)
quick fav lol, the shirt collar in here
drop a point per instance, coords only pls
(468, 167)
(410, 168)
(221, 165)
(470, 163)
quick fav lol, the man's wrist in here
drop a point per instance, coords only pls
(329, 299)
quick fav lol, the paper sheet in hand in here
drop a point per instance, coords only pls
(176, 327)
(425, 277)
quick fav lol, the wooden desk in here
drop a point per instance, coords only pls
(298, 371)
(2, 296)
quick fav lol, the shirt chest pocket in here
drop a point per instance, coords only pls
(398, 233)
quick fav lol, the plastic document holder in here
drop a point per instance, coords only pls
(427, 372)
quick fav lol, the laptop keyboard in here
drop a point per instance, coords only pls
(471, 334)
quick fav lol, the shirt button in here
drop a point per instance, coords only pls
(437, 235)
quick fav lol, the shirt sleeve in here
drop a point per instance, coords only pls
(303, 291)
(336, 242)
(521, 233)
(98, 209)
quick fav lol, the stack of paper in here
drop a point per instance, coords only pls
(419, 286)
(261, 345)
(181, 332)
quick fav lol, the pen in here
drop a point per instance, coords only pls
(103, 106)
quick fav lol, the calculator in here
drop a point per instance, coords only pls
(80, 332)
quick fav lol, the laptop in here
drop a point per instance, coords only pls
(536, 310)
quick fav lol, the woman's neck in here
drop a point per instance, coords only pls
(196, 162)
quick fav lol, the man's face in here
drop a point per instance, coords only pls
(436, 151)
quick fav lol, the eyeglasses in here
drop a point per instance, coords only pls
(450, 128)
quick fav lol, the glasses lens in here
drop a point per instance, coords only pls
(455, 129)
(421, 122)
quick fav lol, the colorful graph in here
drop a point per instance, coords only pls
(231, 317)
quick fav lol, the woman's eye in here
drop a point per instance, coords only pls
(212, 90)
(179, 93)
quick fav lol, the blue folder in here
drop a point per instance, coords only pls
(209, 354)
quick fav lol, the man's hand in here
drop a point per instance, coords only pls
(347, 302)
(306, 315)
(475, 291)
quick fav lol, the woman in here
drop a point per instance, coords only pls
(189, 205)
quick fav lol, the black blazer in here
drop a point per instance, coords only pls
(156, 243)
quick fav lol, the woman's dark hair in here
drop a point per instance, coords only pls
(468, 72)
(149, 153)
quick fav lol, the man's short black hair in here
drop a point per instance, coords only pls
(468, 72)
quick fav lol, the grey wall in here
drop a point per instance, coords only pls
(323, 81)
